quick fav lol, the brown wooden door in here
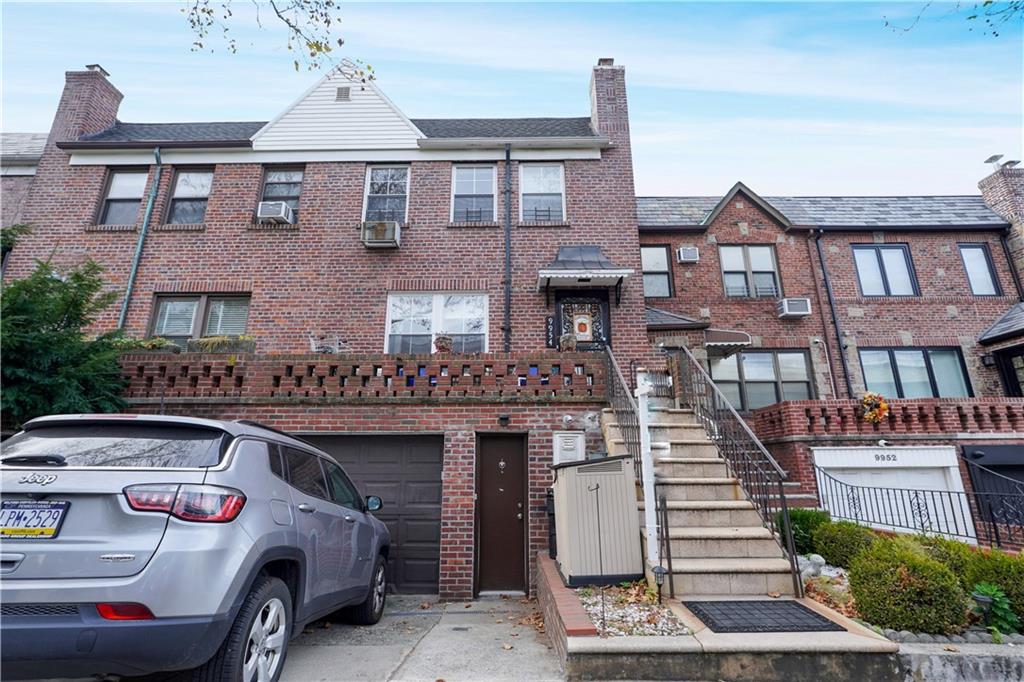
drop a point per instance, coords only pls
(501, 513)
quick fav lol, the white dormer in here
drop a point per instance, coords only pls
(339, 113)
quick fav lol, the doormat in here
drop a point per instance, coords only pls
(760, 616)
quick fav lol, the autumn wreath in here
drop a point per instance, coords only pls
(876, 409)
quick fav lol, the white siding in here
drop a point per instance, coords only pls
(318, 122)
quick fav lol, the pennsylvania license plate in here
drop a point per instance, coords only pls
(31, 519)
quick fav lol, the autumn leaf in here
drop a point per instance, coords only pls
(506, 647)
(425, 605)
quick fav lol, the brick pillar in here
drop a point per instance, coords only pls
(457, 515)
(1003, 191)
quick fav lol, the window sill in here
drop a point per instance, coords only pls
(179, 227)
(543, 223)
(473, 223)
(111, 228)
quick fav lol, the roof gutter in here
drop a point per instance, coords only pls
(514, 143)
(154, 188)
(835, 314)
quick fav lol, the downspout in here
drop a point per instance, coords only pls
(1003, 239)
(123, 317)
(835, 315)
(507, 326)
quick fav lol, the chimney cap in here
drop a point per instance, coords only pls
(606, 61)
(98, 69)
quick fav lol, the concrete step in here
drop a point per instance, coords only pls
(690, 467)
(674, 448)
(724, 542)
(733, 576)
(667, 431)
(709, 513)
(699, 488)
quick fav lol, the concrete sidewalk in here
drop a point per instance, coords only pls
(456, 641)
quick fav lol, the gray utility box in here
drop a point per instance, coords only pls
(582, 558)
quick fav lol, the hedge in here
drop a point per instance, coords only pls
(803, 522)
(839, 543)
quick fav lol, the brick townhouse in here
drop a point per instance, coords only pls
(405, 298)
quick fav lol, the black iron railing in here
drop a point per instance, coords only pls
(627, 415)
(659, 381)
(745, 456)
(990, 514)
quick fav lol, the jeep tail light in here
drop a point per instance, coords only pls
(124, 611)
(188, 502)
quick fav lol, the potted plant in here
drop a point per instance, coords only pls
(567, 343)
(444, 343)
(222, 344)
(156, 344)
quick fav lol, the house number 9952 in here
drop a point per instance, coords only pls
(885, 458)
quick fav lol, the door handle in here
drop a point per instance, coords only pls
(308, 508)
(350, 519)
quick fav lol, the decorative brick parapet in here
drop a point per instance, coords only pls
(251, 378)
(926, 416)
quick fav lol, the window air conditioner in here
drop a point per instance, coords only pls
(789, 308)
(688, 254)
(381, 234)
(275, 212)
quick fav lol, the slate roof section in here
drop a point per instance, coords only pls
(836, 212)
(581, 257)
(504, 127)
(663, 319)
(21, 148)
(1011, 324)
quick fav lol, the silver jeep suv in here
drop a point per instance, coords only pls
(133, 544)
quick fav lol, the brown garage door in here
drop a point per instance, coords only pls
(405, 471)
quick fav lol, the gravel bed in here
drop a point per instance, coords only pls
(626, 618)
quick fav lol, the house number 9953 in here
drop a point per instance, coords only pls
(885, 458)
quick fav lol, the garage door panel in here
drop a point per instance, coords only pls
(405, 472)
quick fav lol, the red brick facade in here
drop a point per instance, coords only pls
(13, 193)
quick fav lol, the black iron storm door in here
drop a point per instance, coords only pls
(586, 315)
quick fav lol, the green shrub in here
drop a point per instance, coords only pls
(955, 555)
(1001, 569)
(804, 521)
(896, 585)
(1000, 615)
(840, 542)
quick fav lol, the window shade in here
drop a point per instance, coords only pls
(227, 317)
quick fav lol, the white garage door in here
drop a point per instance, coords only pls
(905, 489)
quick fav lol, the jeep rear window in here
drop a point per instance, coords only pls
(122, 445)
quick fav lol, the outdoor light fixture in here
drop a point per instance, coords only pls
(503, 419)
(988, 360)
(659, 578)
(985, 603)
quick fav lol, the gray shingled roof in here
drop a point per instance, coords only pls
(835, 212)
(504, 127)
(1009, 325)
(217, 131)
(663, 319)
(21, 147)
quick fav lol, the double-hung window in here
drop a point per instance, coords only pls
(473, 194)
(124, 197)
(191, 193)
(541, 192)
(980, 273)
(387, 193)
(283, 184)
(415, 320)
(915, 372)
(884, 270)
(753, 379)
(180, 318)
(749, 271)
(657, 271)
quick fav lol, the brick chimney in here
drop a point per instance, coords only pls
(609, 112)
(88, 104)
(1003, 191)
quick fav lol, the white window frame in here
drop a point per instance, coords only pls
(561, 173)
(437, 314)
(366, 185)
(494, 184)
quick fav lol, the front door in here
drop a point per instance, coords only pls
(1011, 365)
(585, 315)
(501, 513)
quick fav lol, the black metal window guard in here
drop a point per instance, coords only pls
(474, 215)
(542, 215)
(745, 455)
(991, 516)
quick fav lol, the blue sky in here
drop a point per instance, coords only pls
(791, 98)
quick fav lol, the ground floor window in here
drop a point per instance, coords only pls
(915, 372)
(753, 379)
(416, 320)
(180, 318)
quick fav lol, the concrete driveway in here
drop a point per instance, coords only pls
(487, 639)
